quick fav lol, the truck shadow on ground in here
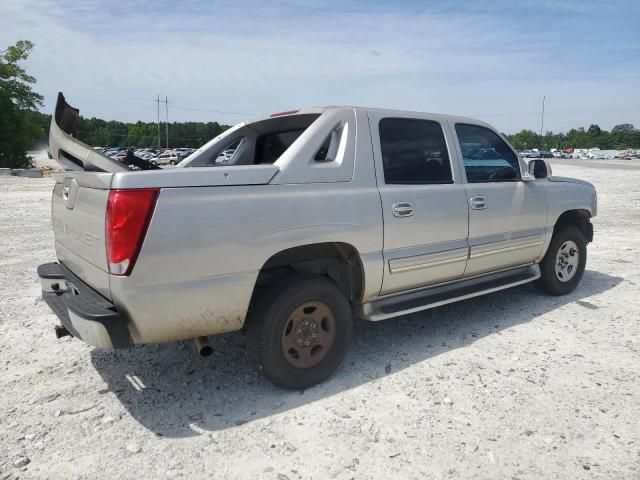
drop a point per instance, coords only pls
(174, 392)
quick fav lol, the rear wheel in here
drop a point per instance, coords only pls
(301, 328)
(563, 265)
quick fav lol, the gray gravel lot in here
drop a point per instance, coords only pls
(513, 385)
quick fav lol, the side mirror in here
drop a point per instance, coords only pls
(539, 168)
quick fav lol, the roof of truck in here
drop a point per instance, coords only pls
(381, 111)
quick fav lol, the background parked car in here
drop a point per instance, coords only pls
(183, 152)
(529, 154)
(225, 156)
(166, 158)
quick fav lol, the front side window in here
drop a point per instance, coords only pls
(487, 158)
(414, 152)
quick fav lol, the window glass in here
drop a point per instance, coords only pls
(226, 156)
(487, 158)
(321, 154)
(271, 146)
(414, 151)
(329, 149)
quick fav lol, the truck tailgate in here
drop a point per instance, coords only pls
(78, 216)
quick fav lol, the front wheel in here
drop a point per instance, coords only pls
(563, 265)
(301, 328)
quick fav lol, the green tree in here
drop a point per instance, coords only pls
(525, 139)
(625, 136)
(18, 131)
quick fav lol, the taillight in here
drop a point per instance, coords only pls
(128, 216)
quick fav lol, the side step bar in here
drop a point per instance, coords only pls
(424, 299)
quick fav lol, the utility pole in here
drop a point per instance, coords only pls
(166, 106)
(157, 102)
(542, 119)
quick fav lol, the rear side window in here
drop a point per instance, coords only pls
(414, 152)
(229, 152)
(328, 152)
(487, 158)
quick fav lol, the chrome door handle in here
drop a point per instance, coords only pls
(478, 202)
(402, 209)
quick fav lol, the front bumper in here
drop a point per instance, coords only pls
(85, 313)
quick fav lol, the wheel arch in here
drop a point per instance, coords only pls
(338, 261)
(580, 218)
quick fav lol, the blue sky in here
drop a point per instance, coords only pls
(492, 59)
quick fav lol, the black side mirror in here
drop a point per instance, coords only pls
(539, 168)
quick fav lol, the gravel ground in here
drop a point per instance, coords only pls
(511, 385)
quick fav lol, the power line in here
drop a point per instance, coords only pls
(196, 109)
(560, 112)
(586, 110)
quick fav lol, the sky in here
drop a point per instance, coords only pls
(229, 61)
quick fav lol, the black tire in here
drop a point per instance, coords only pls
(271, 314)
(172, 162)
(549, 282)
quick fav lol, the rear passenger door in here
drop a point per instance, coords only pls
(507, 215)
(424, 201)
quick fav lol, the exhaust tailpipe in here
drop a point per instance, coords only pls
(61, 331)
(202, 344)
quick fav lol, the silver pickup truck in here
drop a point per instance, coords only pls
(292, 224)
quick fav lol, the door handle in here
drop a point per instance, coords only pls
(479, 202)
(402, 209)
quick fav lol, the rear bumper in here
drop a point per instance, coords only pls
(86, 314)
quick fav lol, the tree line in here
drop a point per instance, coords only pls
(96, 132)
(111, 133)
(621, 137)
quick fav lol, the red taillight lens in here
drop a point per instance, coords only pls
(128, 216)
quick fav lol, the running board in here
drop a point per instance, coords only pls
(424, 299)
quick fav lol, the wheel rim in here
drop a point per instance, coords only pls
(308, 335)
(567, 260)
